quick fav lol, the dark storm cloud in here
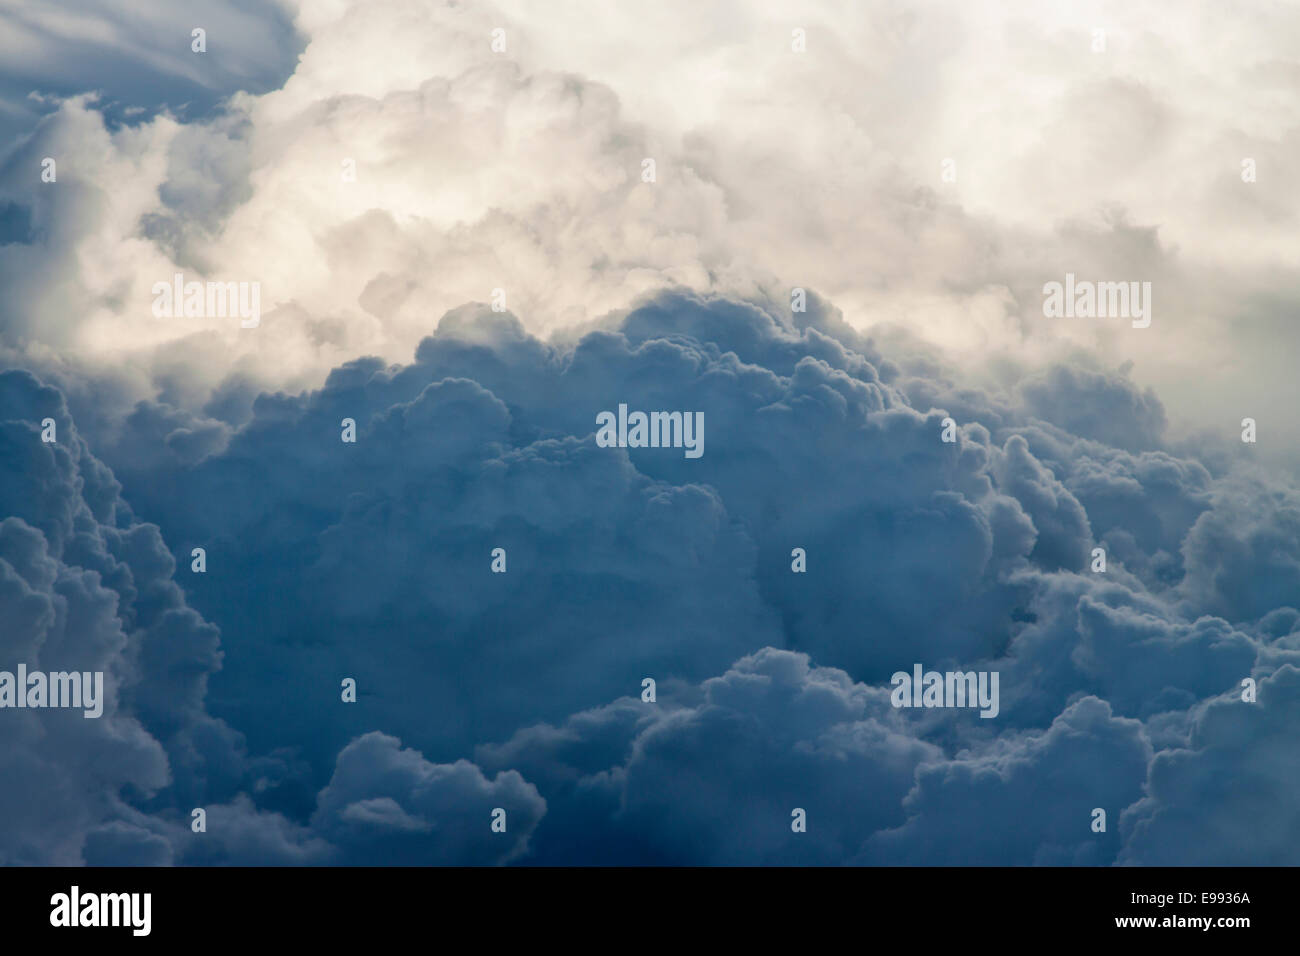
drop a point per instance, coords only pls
(328, 560)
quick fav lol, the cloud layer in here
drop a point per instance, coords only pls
(371, 560)
(517, 178)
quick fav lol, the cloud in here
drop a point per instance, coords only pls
(521, 171)
(712, 774)
(389, 806)
(482, 175)
(371, 560)
(57, 580)
(1028, 802)
(1243, 555)
(1209, 801)
(139, 55)
(1089, 404)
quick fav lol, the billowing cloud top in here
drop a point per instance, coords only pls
(474, 229)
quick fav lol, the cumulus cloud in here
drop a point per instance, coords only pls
(1207, 801)
(713, 774)
(64, 593)
(385, 805)
(85, 587)
(371, 560)
(1027, 801)
(482, 175)
(521, 170)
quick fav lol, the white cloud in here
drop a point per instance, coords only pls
(521, 170)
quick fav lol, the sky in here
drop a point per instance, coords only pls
(828, 230)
